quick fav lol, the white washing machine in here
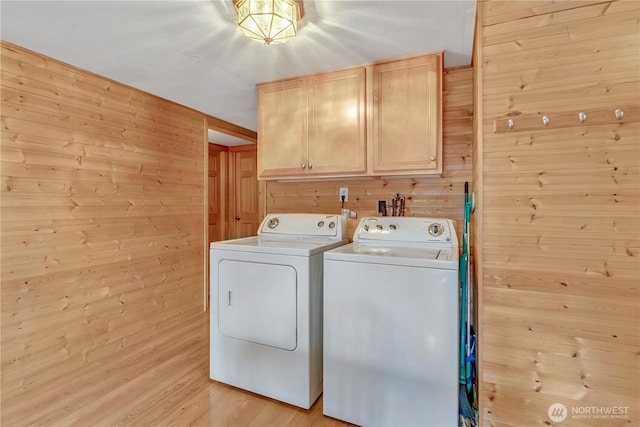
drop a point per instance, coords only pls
(391, 324)
(266, 306)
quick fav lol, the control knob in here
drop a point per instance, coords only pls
(436, 229)
(273, 223)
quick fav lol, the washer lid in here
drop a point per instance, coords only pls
(297, 246)
(432, 257)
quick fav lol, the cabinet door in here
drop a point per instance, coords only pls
(407, 122)
(337, 132)
(282, 129)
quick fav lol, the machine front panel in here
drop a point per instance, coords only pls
(257, 303)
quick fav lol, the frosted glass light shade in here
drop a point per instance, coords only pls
(268, 21)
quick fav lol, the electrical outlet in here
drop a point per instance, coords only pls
(344, 191)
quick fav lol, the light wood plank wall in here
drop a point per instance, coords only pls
(476, 220)
(435, 196)
(560, 212)
(102, 233)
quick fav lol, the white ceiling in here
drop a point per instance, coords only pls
(193, 53)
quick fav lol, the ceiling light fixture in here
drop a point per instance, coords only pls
(269, 21)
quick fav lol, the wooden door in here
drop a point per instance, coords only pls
(407, 115)
(217, 192)
(337, 131)
(282, 128)
(244, 192)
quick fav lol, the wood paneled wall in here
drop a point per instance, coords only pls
(102, 236)
(435, 196)
(476, 220)
(560, 213)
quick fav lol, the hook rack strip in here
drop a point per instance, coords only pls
(516, 122)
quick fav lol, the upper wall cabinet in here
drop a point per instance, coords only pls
(316, 126)
(406, 131)
(282, 128)
(313, 126)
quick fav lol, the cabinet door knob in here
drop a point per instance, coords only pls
(310, 165)
(302, 166)
(237, 218)
(433, 158)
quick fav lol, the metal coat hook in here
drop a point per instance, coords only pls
(582, 117)
(543, 120)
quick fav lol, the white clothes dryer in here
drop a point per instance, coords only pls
(266, 306)
(391, 324)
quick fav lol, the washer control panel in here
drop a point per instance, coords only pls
(415, 230)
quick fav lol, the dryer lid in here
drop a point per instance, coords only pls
(293, 245)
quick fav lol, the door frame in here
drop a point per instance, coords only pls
(251, 137)
(222, 194)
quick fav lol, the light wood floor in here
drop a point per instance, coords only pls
(168, 386)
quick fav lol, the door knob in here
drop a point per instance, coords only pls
(237, 218)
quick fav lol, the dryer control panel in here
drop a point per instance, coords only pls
(407, 230)
(304, 225)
